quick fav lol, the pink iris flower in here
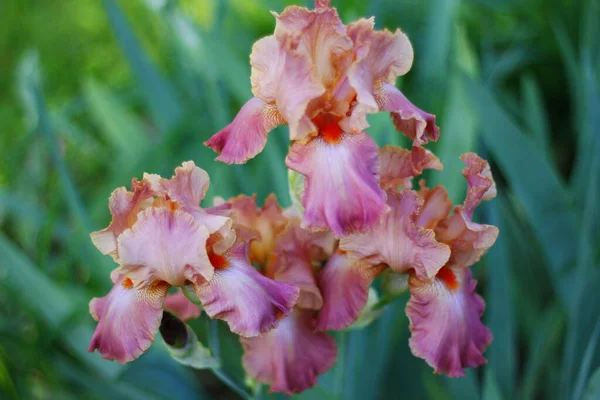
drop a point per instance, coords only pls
(322, 78)
(161, 237)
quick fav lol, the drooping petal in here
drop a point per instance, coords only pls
(124, 207)
(344, 284)
(398, 242)
(250, 302)
(166, 245)
(380, 57)
(416, 124)
(468, 240)
(398, 166)
(182, 306)
(322, 36)
(282, 76)
(445, 322)
(267, 221)
(290, 357)
(341, 191)
(128, 319)
(246, 136)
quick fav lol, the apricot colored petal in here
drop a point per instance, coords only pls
(344, 284)
(436, 207)
(341, 191)
(124, 207)
(290, 357)
(246, 136)
(415, 123)
(165, 245)
(128, 319)
(398, 166)
(250, 302)
(179, 304)
(445, 322)
(398, 242)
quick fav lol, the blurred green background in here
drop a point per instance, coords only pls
(94, 93)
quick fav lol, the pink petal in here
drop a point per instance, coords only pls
(416, 124)
(345, 286)
(398, 166)
(381, 56)
(246, 136)
(468, 240)
(341, 191)
(124, 207)
(128, 319)
(290, 357)
(267, 223)
(445, 322)
(322, 36)
(435, 208)
(250, 302)
(282, 76)
(398, 242)
(166, 245)
(182, 306)
(293, 259)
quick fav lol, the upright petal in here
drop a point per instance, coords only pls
(182, 306)
(468, 240)
(341, 191)
(128, 319)
(322, 36)
(250, 302)
(398, 166)
(445, 322)
(436, 206)
(166, 245)
(246, 136)
(398, 242)
(345, 286)
(380, 57)
(124, 207)
(267, 221)
(416, 124)
(290, 357)
(282, 76)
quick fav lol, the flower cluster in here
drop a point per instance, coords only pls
(282, 278)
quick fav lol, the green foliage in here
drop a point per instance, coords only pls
(95, 94)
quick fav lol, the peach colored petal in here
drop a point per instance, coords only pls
(344, 284)
(322, 36)
(246, 136)
(291, 356)
(124, 207)
(398, 242)
(445, 323)
(436, 207)
(179, 304)
(397, 166)
(128, 319)
(165, 245)
(415, 123)
(263, 225)
(380, 57)
(282, 76)
(468, 240)
(341, 191)
(250, 302)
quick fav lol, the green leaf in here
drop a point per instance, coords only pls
(592, 392)
(491, 391)
(531, 177)
(159, 95)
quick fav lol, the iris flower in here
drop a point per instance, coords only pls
(322, 78)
